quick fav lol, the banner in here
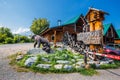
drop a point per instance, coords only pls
(106, 55)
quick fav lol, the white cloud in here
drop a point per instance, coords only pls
(1, 25)
(20, 30)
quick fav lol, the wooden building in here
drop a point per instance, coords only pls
(95, 19)
(117, 40)
(75, 25)
(110, 34)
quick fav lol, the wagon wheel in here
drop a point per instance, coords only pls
(65, 39)
(81, 46)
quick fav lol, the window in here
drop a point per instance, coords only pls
(52, 37)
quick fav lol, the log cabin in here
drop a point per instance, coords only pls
(75, 25)
(117, 40)
(110, 33)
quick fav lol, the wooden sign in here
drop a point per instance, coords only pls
(93, 37)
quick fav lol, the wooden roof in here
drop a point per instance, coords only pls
(94, 9)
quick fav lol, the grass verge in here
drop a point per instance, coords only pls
(14, 64)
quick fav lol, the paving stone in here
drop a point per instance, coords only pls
(62, 62)
(58, 66)
(68, 67)
(45, 66)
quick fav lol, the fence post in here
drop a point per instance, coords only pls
(85, 58)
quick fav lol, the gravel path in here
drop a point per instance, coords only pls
(7, 73)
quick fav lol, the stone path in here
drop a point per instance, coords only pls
(7, 73)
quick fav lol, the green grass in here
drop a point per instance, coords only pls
(114, 65)
(58, 55)
(88, 72)
(108, 66)
(12, 59)
(83, 71)
(21, 63)
(14, 63)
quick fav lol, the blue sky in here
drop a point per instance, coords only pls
(18, 14)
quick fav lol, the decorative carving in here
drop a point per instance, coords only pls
(93, 37)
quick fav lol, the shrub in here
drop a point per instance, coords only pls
(24, 39)
(21, 39)
(2, 38)
(8, 40)
(16, 38)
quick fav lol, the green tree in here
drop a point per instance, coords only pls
(2, 38)
(7, 31)
(16, 38)
(39, 25)
(21, 39)
(9, 40)
(4, 34)
(24, 39)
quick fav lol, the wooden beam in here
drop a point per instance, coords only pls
(75, 27)
(58, 29)
(55, 38)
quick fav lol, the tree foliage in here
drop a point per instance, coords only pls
(38, 25)
(5, 34)
(6, 37)
(21, 39)
(7, 31)
(9, 40)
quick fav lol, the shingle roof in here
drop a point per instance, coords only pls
(73, 20)
(118, 32)
(106, 27)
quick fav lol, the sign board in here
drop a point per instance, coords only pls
(93, 37)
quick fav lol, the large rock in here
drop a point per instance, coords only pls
(45, 59)
(68, 67)
(59, 49)
(19, 57)
(73, 60)
(76, 57)
(45, 66)
(91, 62)
(106, 61)
(97, 65)
(79, 63)
(58, 66)
(80, 60)
(52, 51)
(62, 62)
(78, 66)
(36, 51)
(30, 61)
